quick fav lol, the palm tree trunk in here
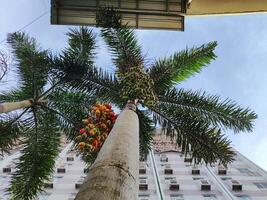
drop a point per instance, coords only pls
(113, 176)
(8, 107)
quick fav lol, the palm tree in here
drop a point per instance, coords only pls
(43, 107)
(147, 94)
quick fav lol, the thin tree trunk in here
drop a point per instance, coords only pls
(114, 174)
(8, 107)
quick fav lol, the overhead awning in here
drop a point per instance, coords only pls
(225, 7)
(143, 14)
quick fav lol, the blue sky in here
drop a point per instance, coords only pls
(238, 73)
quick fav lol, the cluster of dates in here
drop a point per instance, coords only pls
(96, 128)
(136, 84)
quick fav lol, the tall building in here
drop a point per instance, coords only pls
(165, 175)
(175, 178)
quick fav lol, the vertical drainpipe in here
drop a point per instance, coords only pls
(156, 176)
(220, 184)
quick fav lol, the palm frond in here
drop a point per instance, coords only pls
(70, 108)
(146, 131)
(81, 44)
(169, 71)
(32, 63)
(77, 58)
(38, 156)
(103, 85)
(12, 96)
(209, 108)
(9, 132)
(121, 40)
(195, 138)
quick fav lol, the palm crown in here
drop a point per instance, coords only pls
(63, 87)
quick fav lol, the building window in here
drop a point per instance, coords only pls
(226, 178)
(247, 171)
(243, 197)
(261, 185)
(244, 170)
(142, 177)
(143, 180)
(177, 197)
(209, 196)
(143, 196)
(197, 178)
(169, 178)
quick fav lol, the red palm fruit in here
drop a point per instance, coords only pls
(105, 135)
(91, 126)
(103, 118)
(106, 130)
(111, 114)
(81, 145)
(102, 108)
(103, 126)
(97, 112)
(94, 108)
(108, 106)
(107, 110)
(102, 138)
(108, 122)
(95, 143)
(82, 131)
(113, 119)
(90, 119)
(92, 132)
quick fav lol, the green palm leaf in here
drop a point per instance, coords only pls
(195, 137)
(70, 108)
(208, 108)
(121, 40)
(32, 63)
(102, 85)
(180, 66)
(36, 163)
(77, 58)
(146, 132)
(9, 132)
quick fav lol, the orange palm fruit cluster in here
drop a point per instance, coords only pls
(96, 128)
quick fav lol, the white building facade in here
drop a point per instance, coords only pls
(165, 175)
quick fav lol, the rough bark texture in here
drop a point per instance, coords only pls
(8, 107)
(114, 174)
